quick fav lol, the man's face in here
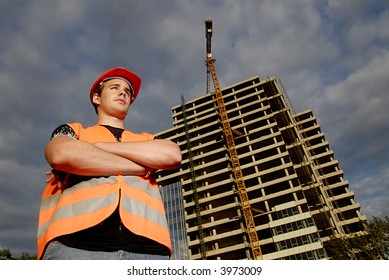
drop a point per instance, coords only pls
(115, 98)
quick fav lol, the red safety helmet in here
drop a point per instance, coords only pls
(118, 72)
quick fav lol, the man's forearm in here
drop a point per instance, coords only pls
(156, 154)
(82, 158)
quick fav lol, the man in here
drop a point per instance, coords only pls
(102, 200)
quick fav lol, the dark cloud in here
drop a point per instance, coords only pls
(331, 56)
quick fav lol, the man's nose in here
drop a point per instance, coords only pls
(123, 92)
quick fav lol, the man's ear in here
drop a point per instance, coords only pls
(96, 99)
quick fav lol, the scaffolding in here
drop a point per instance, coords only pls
(309, 177)
(199, 221)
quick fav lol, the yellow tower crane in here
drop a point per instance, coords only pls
(245, 204)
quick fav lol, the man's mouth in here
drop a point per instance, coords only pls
(121, 101)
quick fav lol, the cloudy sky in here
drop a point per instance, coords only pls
(331, 56)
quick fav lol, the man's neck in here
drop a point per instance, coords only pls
(111, 121)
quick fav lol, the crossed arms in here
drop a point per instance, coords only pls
(104, 159)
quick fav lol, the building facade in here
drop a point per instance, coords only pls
(296, 190)
(175, 214)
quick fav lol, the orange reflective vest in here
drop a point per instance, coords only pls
(88, 203)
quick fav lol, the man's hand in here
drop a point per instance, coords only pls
(57, 177)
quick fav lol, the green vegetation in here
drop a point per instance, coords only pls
(5, 254)
(374, 245)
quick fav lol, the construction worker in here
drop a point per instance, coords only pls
(102, 200)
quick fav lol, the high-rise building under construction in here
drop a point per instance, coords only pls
(295, 189)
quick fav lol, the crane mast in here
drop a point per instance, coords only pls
(245, 204)
(208, 34)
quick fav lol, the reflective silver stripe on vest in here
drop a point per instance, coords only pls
(82, 207)
(52, 201)
(140, 209)
(129, 205)
(138, 183)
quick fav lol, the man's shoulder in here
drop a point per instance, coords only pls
(65, 130)
(76, 125)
